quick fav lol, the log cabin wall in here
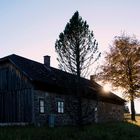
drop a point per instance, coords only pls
(15, 95)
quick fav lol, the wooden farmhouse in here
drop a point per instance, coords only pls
(36, 93)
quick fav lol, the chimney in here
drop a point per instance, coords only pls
(92, 77)
(47, 60)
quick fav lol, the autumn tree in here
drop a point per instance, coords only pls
(77, 50)
(122, 67)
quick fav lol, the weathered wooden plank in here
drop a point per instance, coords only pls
(15, 95)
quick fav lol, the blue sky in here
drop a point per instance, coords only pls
(31, 27)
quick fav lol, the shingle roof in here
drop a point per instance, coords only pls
(54, 79)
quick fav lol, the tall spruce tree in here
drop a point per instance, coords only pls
(77, 50)
(76, 47)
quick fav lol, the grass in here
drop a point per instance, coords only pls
(127, 117)
(106, 131)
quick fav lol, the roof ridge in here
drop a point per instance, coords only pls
(24, 58)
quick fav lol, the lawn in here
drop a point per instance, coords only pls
(128, 119)
(107, 131)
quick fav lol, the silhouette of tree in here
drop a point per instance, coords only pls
(77, 50)
(76, 47)
(122, 67)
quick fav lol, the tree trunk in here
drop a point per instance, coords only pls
(80, 120)
(132, 109)
(79, 98)
(131, 90)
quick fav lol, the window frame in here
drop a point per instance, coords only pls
(60, 106)
(41, 106)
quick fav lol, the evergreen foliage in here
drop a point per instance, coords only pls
(76, 47)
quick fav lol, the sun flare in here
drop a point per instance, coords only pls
(107, 87)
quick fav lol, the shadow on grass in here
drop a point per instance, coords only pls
(127, 118)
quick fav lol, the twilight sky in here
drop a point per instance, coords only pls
(31, 27)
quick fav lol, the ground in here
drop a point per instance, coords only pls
(127, 117)
(105, 131)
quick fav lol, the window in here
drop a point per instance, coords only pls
(41, 106)
(60, 107)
